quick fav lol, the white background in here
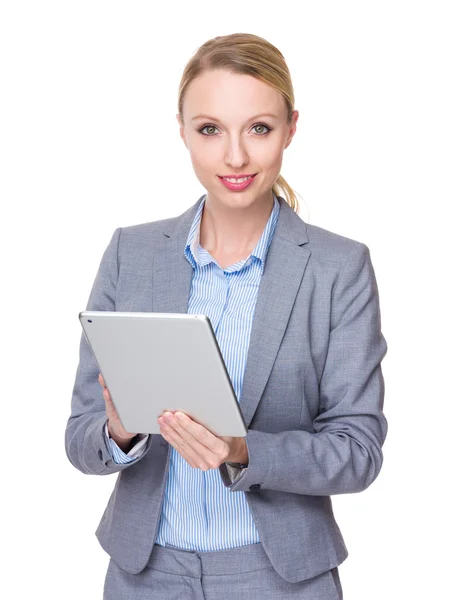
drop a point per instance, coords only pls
(89, 142)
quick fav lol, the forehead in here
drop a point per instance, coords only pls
(225, 95)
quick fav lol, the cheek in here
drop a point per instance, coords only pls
(205, 158)
(269, 162)
(204, 166)
(267, 154)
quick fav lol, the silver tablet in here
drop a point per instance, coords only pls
(152, 362)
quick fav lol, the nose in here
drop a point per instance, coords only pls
(236, 155)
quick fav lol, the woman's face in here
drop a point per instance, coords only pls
(241, 136)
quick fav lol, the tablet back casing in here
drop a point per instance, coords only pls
(152, 362)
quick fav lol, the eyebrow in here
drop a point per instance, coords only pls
(218, 120)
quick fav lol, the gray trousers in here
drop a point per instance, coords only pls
(243, 573)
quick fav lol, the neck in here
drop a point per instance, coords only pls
(229, 230)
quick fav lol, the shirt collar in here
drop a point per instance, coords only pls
(196, 255)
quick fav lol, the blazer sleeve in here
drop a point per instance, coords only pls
(344, 452)
(85, 443)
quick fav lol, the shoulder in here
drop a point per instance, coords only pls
(151, 228)
(323, 245)
(329, 247)
(139, 239)
(155, 231)
(334, 257)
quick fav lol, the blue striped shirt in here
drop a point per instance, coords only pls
(199, 512)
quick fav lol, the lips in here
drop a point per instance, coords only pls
(232, 176)
(238, 186)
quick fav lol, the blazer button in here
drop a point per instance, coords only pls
(100, 454)
(255, 486)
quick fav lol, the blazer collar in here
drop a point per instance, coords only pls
(290, 225)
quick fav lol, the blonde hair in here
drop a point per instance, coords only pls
(248, 54)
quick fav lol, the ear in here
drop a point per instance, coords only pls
(292, 129)
(182, 129)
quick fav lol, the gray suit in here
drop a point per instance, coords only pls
(312, 394)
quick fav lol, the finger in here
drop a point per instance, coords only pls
(195, 447)
(101, 380)
(197, 432)
(106, 395)
(185, 450)
(109, 404)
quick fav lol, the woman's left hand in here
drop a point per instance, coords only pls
(199, 447)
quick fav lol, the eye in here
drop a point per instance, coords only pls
(209, 126)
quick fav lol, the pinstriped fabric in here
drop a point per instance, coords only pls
(199, 512)
(120, 457)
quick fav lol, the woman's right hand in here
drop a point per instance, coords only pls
(115, 428)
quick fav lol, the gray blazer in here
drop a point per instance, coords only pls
(312, 395)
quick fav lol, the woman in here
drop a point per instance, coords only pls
(295, 310)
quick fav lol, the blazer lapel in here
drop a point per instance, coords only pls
(284, 269)
(172, 273)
